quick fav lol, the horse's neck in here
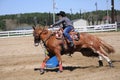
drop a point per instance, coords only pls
(46, 36)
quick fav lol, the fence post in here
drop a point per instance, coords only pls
(8, 34)
(115, 26)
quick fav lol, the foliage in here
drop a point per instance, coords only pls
(46, 18)
(2, 25)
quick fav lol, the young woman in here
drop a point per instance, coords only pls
(66, 24)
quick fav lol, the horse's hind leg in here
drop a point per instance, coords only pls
(101, 53)
(100, 61)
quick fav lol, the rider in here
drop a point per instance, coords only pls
(67, 25)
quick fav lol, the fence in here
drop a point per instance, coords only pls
(16, 33)
(95, 28)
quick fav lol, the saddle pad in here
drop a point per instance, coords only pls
(52, 62)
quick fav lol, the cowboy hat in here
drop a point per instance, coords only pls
(62, 13)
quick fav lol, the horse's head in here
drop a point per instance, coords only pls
(37, 34)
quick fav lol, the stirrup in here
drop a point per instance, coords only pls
(71, 44)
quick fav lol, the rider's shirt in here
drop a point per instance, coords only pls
(65, 22)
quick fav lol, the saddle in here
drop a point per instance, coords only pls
(74, 35)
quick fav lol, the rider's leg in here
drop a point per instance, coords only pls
(66, 33)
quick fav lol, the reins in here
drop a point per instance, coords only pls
(43, 44)
(44, 41)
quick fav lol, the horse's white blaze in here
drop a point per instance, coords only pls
(36, 44)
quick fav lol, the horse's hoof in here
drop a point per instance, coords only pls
(110, 64)
(100, 63)
(60, 71)
(42, 71)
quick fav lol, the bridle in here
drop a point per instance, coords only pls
(44, 41)
(42, 31)
(38, 38)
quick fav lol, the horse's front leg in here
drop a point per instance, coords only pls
(43, 65)
(57, 53)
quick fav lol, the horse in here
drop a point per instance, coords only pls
(89, 45)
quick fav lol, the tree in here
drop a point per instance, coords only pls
(2, 25)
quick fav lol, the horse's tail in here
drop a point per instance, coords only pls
(106, 47)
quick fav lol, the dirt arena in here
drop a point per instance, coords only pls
(19, 58)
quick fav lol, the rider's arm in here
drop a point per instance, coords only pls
(58, 22)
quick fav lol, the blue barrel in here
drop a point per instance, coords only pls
(52, 62)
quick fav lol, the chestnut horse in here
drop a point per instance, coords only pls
(88, 45)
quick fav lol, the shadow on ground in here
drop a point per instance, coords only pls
(69, 68)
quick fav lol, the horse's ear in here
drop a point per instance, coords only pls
(33, 27)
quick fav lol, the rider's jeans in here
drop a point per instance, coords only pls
(66, 32)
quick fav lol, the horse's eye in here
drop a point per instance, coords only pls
(36, 37)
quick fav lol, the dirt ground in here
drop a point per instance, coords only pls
(19, 58)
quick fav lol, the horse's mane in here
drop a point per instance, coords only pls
(40, 27)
